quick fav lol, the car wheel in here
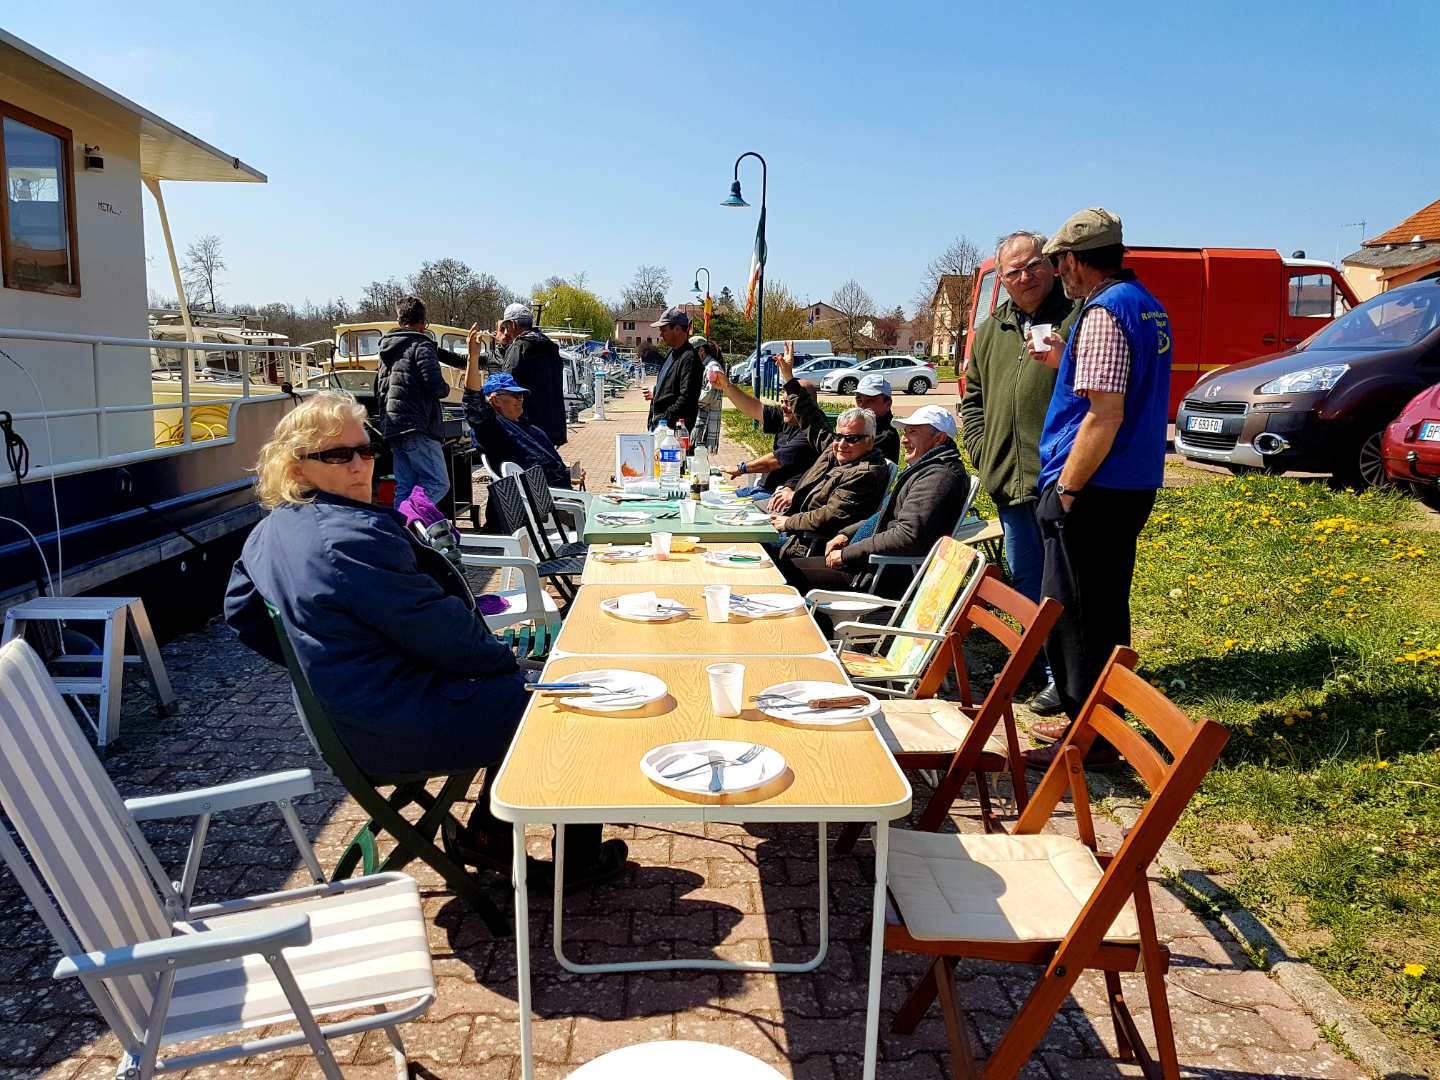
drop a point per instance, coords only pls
(1363, 466)
(847, 386)
(1429, 494)
(919, 385)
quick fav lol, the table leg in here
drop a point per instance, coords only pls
(877, 949)
(522, 955)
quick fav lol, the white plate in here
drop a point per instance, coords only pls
(725, 558)
(676, 757)
(624, 553)
(722, 500)
(806, 691)
(622, 517)
(645, 689)
(669, 609)
(742, 519)
(768, 605)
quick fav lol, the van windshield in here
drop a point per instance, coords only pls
(1391, 320)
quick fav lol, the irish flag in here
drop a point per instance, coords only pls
(757, 266)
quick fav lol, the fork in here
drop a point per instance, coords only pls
(744, 759)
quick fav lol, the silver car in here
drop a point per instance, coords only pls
(906, 374)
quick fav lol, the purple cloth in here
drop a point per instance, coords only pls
(418, 507)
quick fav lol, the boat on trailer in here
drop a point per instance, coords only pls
(95, 496)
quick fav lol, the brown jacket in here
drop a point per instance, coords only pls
(831, 496)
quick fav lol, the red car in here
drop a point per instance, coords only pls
(1411, 447)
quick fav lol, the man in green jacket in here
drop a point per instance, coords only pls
(1006, 397)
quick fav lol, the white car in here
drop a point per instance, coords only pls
(906, 374)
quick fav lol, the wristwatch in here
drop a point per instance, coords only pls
(743, 468)
(1061, 489)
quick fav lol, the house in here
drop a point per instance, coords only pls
(950, 314)
(844, 343)
(633, 329)
(1408, 252)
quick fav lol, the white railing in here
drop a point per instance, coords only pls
(102, 412)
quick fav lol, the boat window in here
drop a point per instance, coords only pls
(362, 342)
(37, 215)
(455, 343)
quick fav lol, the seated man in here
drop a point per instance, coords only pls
(923, 507)
(413, 680)
(496, 414)
(872, 394)
(843, 487)
(795, 448)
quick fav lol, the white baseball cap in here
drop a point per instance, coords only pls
(933, 415)
(874, 385)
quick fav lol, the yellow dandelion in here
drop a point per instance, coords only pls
(1414, 971)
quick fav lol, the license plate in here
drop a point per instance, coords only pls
(1430, 431)
(1204, 423)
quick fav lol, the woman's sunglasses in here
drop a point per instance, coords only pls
(343, 455)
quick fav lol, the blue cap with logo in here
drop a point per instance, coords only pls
(502, 382)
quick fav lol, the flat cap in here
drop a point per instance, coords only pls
(519, 313)
(1092, 228)
(673, 316)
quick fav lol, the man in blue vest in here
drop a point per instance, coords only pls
(1102, 457)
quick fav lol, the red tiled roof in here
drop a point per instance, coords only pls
(1423, 223)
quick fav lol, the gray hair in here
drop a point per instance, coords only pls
(865, 416)
(1038, 239)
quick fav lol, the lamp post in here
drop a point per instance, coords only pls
(735, 199)
(704, 297)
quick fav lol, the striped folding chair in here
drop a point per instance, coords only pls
(161, 972)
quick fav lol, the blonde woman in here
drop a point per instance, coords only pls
(387, 634)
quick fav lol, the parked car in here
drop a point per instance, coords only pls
(1225, 304)
(1323, 405)
(744, 370)
(1410, 447)
(818, 367)
(906, 374)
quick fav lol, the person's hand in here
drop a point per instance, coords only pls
(472, 343)
(647, 392)
(1051, 354)
(786, 363)
(836, 542)
(733, 473)
(777, 522)
(718, 378)
(780, 501)
(832, 559)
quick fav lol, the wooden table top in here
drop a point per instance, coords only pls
(571, 766)
(683, 568)
(705, 526)
(588, 630)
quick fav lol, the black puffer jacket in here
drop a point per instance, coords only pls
(535, 362)
(409, 386)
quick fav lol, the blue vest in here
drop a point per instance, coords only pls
(1137, 457)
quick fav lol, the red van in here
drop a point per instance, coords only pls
(1225, 304)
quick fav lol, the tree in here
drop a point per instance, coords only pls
(962, 258)
(726, 300)
(784, 320)
(378, 300)
(456, 295)
(889, 325)
(577, 307)
(855, 307)
(647, 288)
(200, 273)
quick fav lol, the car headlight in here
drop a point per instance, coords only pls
(1309, 381)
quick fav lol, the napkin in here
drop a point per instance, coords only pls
(640, 603)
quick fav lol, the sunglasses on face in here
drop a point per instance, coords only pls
(343, 455)
(851, 439)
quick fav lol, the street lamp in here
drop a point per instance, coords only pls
(704, 297)
(736, 199)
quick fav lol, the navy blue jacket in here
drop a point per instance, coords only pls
(523, 442)
(412, 679)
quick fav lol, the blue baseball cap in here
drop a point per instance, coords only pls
(502, 382)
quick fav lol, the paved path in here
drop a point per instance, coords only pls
(697, 891)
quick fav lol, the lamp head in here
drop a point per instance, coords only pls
(735, 199)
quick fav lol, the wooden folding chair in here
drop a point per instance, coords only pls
(412, 841)
(1049, 900)
(924, 732)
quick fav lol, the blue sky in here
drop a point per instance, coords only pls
(542, 139)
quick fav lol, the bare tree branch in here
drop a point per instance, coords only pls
(854, 305)
(200, 273)
(647, 288)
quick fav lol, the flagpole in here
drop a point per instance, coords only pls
(764, 191)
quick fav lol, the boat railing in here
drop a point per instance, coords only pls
(295, 357)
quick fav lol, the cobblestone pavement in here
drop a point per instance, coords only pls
(693, 891)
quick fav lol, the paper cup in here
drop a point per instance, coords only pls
(687, 511)
(717, 603)
(660, 544)
(727, 688)
(1038, 333)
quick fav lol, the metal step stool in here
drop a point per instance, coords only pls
(118, 613)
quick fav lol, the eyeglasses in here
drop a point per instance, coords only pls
(343, 455)
(847, 438)
(1031, 267)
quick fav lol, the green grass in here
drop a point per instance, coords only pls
(1307, 621)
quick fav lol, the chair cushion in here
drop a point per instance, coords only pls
(369, 947)
(995, 887)
(864, 665)
(929, 726)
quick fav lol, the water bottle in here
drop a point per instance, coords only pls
(670, 460)
(658, 436)
(683, 434)
(699, 472)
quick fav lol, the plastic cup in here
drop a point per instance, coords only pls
(660, 544)
(715, 482)
(687, 511)
(727, 688)
(717, 603)
(1038, 333)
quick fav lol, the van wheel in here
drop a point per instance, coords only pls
(919, 385)
(1362, 467)
(847, 386)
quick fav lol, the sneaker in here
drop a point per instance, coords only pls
(1047, 702)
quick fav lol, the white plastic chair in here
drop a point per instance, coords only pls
(160, 971)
